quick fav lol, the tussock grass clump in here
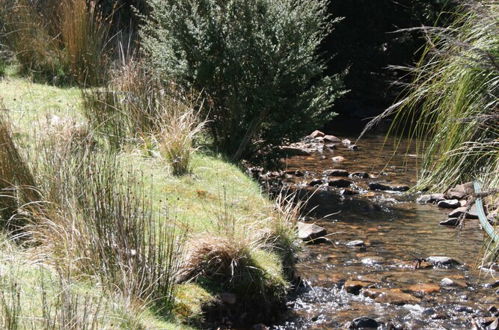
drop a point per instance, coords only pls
(17, 184)
(453, 100)
(57, 41)
(100, 224)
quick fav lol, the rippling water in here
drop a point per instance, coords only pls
(396, 232)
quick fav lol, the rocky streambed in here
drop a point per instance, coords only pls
(375, 256)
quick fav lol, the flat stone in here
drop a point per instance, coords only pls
(449, 204)
(356, 243)
(309, 231)
(338, 159)
(360, 175)
(340, 183)
(364, 322)
(450, 222)
(316, 134)
(331, 138)
(336, 172)
(442, 261)
(424, 288)
(468, 214)
(396, 298)
(354, 287)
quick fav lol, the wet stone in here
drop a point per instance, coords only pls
(447, 282)
(338, 159)
(468, 214)
(360, 175)
(336, 172)
(331, 138)
(364, 323)
(346, 142)
(348, 192)
(354, 287)
(309, 231)
(381, 186)
(431, 198)
(316, 134)
(449, 204)
(450, 222)
(353, 147)
(424, 288)
(316, 182)
(371, 261)
(442, 261)
(356, 243)
(340, 183)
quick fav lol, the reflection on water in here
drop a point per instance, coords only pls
(396, 233)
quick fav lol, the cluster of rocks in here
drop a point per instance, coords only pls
(318, 141)
(457, 199)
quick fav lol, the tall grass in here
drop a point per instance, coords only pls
(57, 41)
(17, 184)
(100, 223)
(453, 100)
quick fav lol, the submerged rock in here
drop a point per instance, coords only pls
(360, 175)
(309, 231)
(450, 222)
(390, 296)
(424, 288)
(356, 243)
(354, 287)
(338, 159)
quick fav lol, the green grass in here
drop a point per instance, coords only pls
(217, 200)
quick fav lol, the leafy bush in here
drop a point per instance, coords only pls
(257, 62)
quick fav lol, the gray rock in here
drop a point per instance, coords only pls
(309, 231)
(353, 147)
(336, 172)
(460, 191)
(356, 243)
(430, 198)
(442, 261)
(371, 261)
(468, 214)
(364, 323)
(346, 142)
(449, 204)
(340, 183)
(331, 146)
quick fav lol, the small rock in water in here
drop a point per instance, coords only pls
(346, 142)
(356, 243)
(316, 134)
(360, 175)
(381, 186)
(468, 214)
(364, 323)
(308, 231)
(340, 183)
(446, 282)
(450, 222)
(354, 287)
(331, 138)
(493, 310)
(424, 288)
(336, 172)
(353, 147)
(449, 204)
(442, 261)
(338, 159)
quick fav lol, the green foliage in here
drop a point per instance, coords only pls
(453, 100)
(256, 61)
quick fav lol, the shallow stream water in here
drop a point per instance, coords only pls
(397, 292)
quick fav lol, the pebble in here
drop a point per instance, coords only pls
(356, 243)
(338, 159)
(449, 204)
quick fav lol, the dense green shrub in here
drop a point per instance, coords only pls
(256, 61)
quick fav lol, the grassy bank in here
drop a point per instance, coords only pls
(230, 239)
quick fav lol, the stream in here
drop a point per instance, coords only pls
(385, 281)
